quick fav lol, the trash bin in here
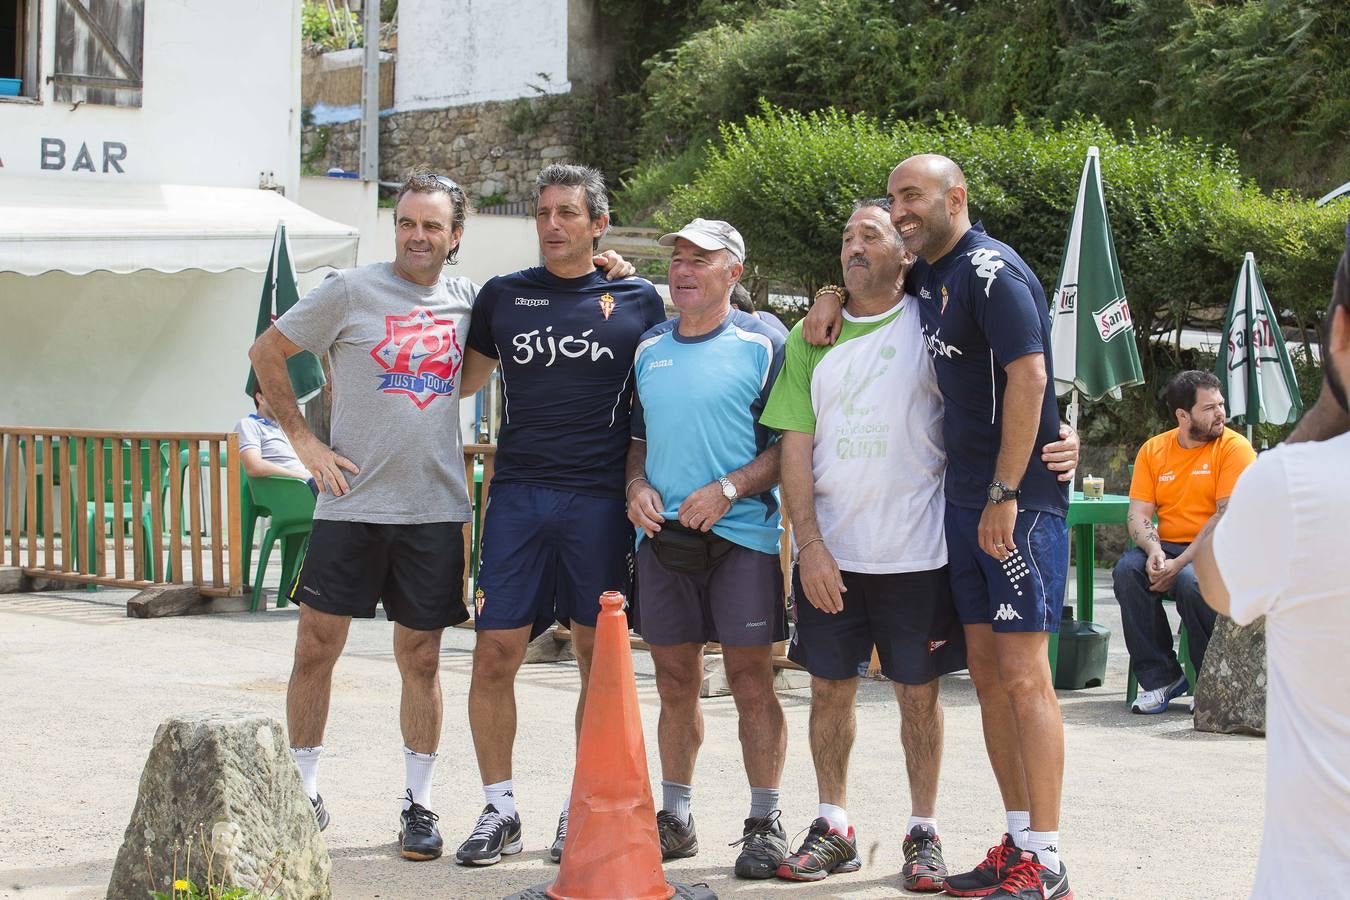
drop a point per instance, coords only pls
(1082, 653)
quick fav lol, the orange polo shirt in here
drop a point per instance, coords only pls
(1186, 485)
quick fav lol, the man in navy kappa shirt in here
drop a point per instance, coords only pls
(556, 533)
(986, 323)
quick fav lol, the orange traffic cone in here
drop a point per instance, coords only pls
(612, 846)
(613, 851)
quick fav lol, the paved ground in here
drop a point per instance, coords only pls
(1152, 809)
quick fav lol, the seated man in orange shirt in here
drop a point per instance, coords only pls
(1185, 476)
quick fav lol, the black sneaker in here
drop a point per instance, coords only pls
(765, 846)
(555, 852)
(320, 812)
(985, 878)
(824, 852)
(678, 840)
(924, 870)
(418, 837)
(1029, 880)
(494, 835)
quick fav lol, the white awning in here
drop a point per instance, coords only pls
(62, 225)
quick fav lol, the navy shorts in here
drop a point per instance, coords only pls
(737, 603)
(907, 616)
(1024, 592)
(548, 555)
(417, 571)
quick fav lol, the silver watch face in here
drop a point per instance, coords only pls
(728, 489)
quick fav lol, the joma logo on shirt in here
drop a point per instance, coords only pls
(662, 364)
(532, 343)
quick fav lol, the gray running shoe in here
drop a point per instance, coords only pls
(765, 846)
(678, 840)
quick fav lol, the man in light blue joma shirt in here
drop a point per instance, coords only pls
(700, 490)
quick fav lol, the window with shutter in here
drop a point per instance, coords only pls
(99, 47)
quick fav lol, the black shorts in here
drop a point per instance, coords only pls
(909, 617)
(416, 570)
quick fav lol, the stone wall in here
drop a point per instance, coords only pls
(489, 148)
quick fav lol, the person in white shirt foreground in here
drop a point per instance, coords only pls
(1278, 552)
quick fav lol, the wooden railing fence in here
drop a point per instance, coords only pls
(106, 507)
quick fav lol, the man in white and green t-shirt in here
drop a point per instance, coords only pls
(862, 470)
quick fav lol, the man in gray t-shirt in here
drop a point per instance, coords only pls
(389, 521)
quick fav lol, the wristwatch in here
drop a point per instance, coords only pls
(999, 492)
(728, 489)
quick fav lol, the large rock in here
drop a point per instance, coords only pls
(224, 785)
(1231, 695)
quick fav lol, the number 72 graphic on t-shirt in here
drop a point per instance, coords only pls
(421, 356)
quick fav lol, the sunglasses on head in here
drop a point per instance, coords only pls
(449, 183)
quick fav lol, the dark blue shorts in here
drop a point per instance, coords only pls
(548, 555)
(907, 616)
(1024, 592)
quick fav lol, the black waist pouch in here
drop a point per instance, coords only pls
(689, 550)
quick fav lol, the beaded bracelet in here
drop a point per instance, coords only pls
(833, 289)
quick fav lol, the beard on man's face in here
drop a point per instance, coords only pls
(1333, 377)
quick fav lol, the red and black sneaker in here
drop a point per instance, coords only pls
(1029, 880)
(985, 878)
(924, 870)
(825, 851)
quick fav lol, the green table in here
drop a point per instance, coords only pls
(1084, 515)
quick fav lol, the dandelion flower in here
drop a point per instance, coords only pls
(180, 885)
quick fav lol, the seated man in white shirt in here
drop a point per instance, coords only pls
(1279, 552)
(263, 446)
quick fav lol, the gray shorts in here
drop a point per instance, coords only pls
(739, 603)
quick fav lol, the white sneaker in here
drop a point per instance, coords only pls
(1156, 700)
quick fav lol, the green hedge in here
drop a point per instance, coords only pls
(1181, 214)
(1266, 77)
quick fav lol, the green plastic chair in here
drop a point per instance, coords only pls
(98, 521)
(1183, 655)
(289, 504)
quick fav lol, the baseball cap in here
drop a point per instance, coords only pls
(710, 234)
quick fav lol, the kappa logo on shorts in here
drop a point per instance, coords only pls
(479, 601)
(1006, 613)
(934, 646)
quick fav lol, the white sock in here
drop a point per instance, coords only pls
(418, 768)
(307, 759)
(1045, 844)
(835, 815)
(502, 795)
(921, 820)
(1019, 824)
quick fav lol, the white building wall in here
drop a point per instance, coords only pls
(456, 52)
(220, 104)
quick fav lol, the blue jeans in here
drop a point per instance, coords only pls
(1147, 634)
